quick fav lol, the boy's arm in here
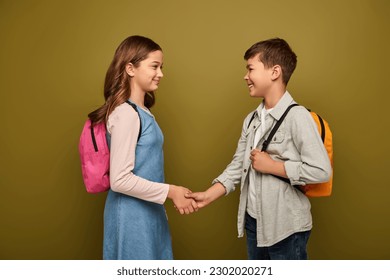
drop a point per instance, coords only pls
(262, 162)
(314, 164)
(211, 194)
(230, 177)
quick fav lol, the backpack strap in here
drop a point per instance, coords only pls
(272, 133)
(95, 147)
(322, 128)
(253, 116)
(140, 123)
(322, 125)
(276, 126)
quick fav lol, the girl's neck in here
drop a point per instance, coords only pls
(138, 98)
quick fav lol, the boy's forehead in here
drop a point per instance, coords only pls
(254, 59)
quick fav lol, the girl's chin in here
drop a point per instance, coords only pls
(153, 88)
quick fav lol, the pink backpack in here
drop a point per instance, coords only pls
(95, 155)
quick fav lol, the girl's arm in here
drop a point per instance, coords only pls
(123, 125)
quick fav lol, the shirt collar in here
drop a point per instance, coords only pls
(282, 105)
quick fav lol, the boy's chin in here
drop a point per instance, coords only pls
(255, 95)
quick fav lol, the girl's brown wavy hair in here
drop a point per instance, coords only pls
(133, 50)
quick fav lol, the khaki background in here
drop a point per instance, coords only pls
(53, 59)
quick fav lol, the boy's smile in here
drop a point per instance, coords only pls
(258, 78)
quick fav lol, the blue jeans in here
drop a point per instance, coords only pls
(290, 248)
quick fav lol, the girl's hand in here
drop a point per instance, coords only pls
(182, 204)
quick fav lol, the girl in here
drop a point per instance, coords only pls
(135, 222)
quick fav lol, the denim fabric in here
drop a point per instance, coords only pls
(290, 248)
(135, 228)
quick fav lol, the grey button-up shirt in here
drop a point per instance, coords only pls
(281, 209)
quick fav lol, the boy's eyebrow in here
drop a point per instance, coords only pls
(248, 65)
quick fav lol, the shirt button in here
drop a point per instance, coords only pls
(245, 170)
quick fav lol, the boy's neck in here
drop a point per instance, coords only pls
(273, 97)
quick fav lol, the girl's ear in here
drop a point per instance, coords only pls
(130, 69)
(276, 72)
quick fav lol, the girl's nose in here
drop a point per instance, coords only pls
(160, 73)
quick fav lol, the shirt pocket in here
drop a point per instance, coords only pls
(277, 145)
(278, 138)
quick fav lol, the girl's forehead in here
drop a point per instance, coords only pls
(155, 55)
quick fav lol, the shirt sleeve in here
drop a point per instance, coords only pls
(314, 164)
(123, 124)
(232, 174)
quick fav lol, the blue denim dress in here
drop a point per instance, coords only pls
(136, 229)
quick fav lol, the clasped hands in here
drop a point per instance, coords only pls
(182, 203)
(187, 202)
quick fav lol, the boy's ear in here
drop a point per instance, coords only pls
(130, 69)
(276, 72)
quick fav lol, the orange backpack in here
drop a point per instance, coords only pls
(322, 189)
(310, 190)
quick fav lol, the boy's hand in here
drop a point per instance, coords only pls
(201, 198)
(262, 162)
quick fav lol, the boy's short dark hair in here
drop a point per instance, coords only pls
(272, 52)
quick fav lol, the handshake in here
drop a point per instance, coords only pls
(185, 201)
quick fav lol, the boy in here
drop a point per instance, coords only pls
(275, 215)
